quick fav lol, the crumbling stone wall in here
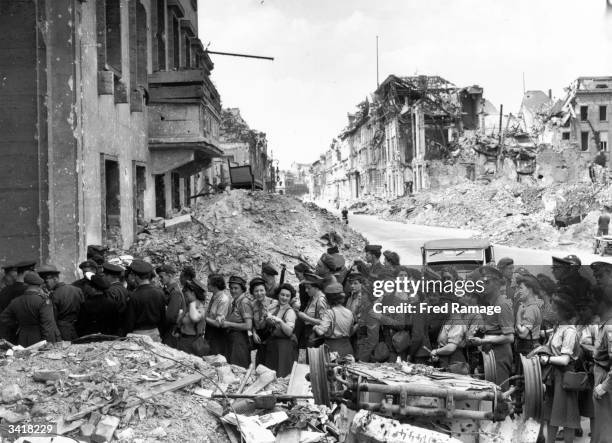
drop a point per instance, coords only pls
(562, 165)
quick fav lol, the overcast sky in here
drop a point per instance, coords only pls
(325, 55)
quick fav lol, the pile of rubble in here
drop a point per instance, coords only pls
(234, 232)
(517, 214)
(135, 390)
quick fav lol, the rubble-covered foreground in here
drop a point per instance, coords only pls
(516, 214)
(236, 231)
(134, 390)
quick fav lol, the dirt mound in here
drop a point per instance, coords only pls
(235, 232)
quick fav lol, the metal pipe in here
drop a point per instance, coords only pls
(428, 391)
(240, 55)
(427, 412)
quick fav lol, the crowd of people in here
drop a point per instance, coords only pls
(564, 319)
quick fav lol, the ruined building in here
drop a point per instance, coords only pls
(407, 122)
(242, 146)
(108, 119)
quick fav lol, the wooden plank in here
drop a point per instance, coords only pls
(161, 389)
(298, 385)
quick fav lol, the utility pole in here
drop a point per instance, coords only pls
(377, 82)
(499, 147)
(523, 83)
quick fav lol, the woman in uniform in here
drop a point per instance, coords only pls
(311, 316)
(239, 323)
(281, 347)
(336, 322)
(561, 406)
(218, 309)
(261, 306)
(602, 370)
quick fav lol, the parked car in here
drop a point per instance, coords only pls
(464, 254)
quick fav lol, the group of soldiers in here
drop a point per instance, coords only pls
(332, 303)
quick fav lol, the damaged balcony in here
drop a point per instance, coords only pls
(184, 115)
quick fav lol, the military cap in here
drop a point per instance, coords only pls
(25, 265)
(141, 267)
(47, 269)
(333, 250)
(503, 262)
(570, 260)
(354, 276)
(301, 267)
(334, 263)
(99, 282)
(486, 271)
(32, 278)
(110, 268)
(373, 248)
(392, 257)
(601, 266)
(9, 267)
(88, 264)
(267, 268)
(237, 280)
(165, 268)
(310, 278)
(530, 281)
(333, 288)
(256, 281)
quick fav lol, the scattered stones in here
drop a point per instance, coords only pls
(11, 393)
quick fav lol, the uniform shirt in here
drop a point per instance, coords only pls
(32, 314)
(336, 322)
(220, 304)
(316, 305)
(9, 293)
(288, 316)
(175, 301)
(67, 301)
(564, 341)
(602, 356)
(455, 331)
(260, 309)
(146, 309)
(120, 295)
(530, 316)
(240, 310)
(502, 323)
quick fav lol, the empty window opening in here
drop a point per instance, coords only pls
(112, 207)
(160, 196)
(113, 35)
(176, 191)
(176, 35)
(603, 113)
(565, 136)
(584, 113)
(160, 35)
(141, 186)
(584, 141)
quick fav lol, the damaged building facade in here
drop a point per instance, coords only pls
(109, 119)
(241, 146)
(407, 122)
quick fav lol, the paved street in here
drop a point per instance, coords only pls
(406, 239)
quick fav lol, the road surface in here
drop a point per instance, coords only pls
(406, 239)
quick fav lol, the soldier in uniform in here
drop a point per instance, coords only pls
(218, 310)
(374, 269)
(238, 323)
(88, 267)
(146, 309)
(30, 315)
(66, 299)
(566, 271)
(498, 328)
(268, 273)
(175, 300)
(9, 277)
(117, 292)
(18, 287)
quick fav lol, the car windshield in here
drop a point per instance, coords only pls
(449, 255)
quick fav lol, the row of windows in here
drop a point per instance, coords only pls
(603, 113)
(584, 140)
